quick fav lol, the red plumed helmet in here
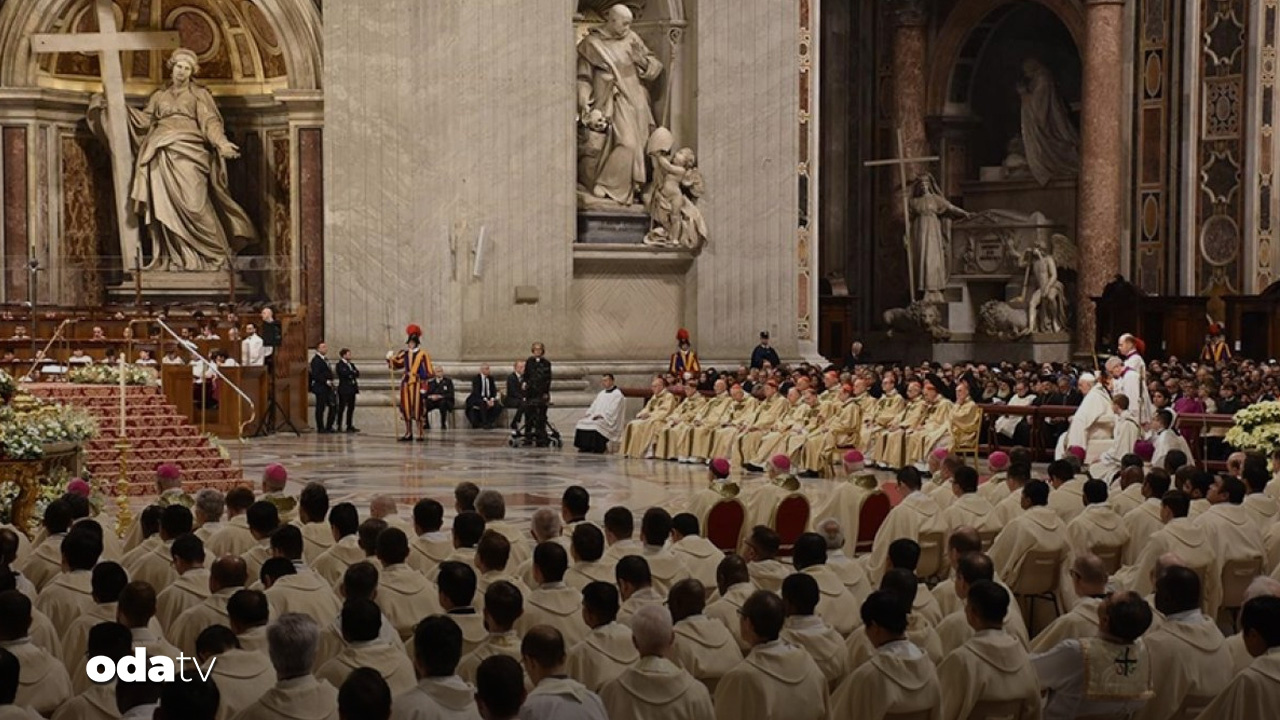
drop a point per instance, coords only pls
(1215, 329)
(682, 335)
(413, 330)
(1140, 346)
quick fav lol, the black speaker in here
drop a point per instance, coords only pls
(272, 334)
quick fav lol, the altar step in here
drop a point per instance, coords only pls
(155, 433)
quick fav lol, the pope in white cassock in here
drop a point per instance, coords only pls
(603, 421)
(1093, 420)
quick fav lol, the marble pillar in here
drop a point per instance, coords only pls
(15, 248)
(911, 19)
(1100, 168)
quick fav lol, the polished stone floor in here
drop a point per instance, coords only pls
(356, 467)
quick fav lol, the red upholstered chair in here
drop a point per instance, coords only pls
(874, 510)
(790, 520)
(724, 524)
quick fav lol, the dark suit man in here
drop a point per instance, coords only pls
(764, 353)
(483, 407)
(537, 396)
(514, 398)
(439, 396)
(348, 388)
(321, 385)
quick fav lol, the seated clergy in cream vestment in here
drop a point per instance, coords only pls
(733, 583)
(990, 667)
(762, 500)
(933, 426)
(156, 567)
(638, 438)
(403, 593)
(845, 499)
(110, 640)
(554, 695)
(835, 604)
(503, 605)
(654, 688)
(313, 509)
(792, 430)
(806, 629)
(968, 509)
(1093, 422)
(635, 587)
(43, 684)
(242, 676)
(299, 589)
(955, 629)
(678, 440)
(233, 538)
(552, 602)
(1067, 498)
(344, 527)
(715, 439)
(882, 417)
(772, 408)
(1255, 692)
(890, 450)
(775, 679)
(607, 649)
(1178, 536)
(192, 585)
(904, 585)
(70, 593)
(440, 693)
(226, 577)
(1038, 529)
(915, 516)
(431, 544)
(602, 423)
(297, 693)
(1190, 662)
(1098, 526)
(362, 630)
(668, 440)
(1125, 437)
(1232, 531)
(841, 427)
(702, 645)
(700, 556)
(898, 679)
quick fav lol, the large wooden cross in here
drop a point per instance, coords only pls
(902, 161)
(108, 43)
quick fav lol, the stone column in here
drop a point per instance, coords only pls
(1100, 172)
(911, 19)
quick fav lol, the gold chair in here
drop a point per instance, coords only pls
(933, 559)
(1236, 576)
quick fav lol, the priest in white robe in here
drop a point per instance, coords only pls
(608, 648)
(242, 676)
(440, 693)
(602, 423)
(1254, 693)
(776, 679)
(703, 646)
(1167, 438)
(43, 683)
(1133, 379)
(992, 666)
(1190, 661)
(1089, 586)
(915, 516)
(361, 629)
(806, 629)
(555, 695)
(898, 679)
(654, 688)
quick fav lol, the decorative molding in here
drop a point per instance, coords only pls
(806, 162)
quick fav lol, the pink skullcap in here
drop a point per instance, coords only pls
(168, 471)
(720, 468)
(1078, 452)
(998, 460)
(275, 473)
(1144, 449)
(782, 462)
(853, 457)
(79, 487)
(941, 453)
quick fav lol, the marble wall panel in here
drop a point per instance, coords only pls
(88, 225)
(16, 232)
(311, 227)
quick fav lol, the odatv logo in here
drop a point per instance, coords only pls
(138, 668)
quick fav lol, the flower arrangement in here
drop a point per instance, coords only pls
(8, 387)
(28, 424)
(110, 375)
(1257, 427)
(52, 487)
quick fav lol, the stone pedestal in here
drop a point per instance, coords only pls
(178, 287)
(599, 227)
(1039, 348)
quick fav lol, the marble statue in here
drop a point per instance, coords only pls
(1002, 320)
(1047, 306)
(180, 176)
(918, 317)
(1014, 166)
(677, 185)
(1051, 142)
(928, 208)
(613, 66)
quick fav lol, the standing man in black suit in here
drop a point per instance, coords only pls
(537, 395)
(439, 396)
(515, 393)
(348, 388)
(483, 407)
(321, 385)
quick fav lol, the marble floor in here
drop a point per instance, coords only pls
(355, 467)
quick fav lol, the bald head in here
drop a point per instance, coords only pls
(1090, 575)
(619, 13)
(227, 571)
(964, 540)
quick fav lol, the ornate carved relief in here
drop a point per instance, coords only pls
(1156, 144)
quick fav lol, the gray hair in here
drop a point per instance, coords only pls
(831, 531)
(291, 643)
(1262, 586)
(490, 505)
(651, 630)
(546, 524)
(381, 506)
(1113, 361)
(210, 504)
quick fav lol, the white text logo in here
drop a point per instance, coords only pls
(138, 668)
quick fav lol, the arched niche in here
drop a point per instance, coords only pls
(261, 59)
